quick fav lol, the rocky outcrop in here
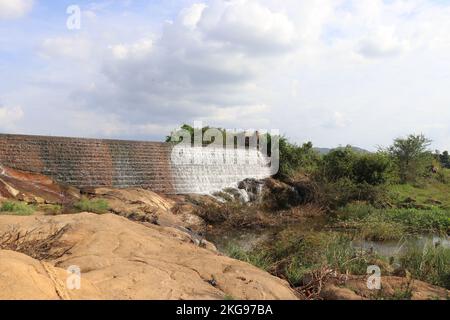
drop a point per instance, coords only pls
(120, 259)
(355, 288)
(34, 188)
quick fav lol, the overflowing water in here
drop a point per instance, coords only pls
(205, 170)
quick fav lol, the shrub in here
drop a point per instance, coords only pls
(16, 208)
(338, 164)
(371, 168)
(99, 206)
(430, 264)
(294, 158)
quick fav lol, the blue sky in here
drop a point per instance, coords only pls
(333, 72)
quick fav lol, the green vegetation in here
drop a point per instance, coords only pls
(430, 264)
(411, 157)
(254, 257)
(293, 256)
(296, 159)
(16, 208)
(99, 206)
(398, 191)
(389, 224)
(422, 195)
(443, 158)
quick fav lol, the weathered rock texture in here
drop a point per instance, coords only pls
(34, 188)
(355, 288)
(120, 259)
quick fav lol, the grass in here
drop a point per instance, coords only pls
(392, 224)
(99, 206)
(16, 208)
(427, 193)
(431, 264)
(292, 256)
(256, 258)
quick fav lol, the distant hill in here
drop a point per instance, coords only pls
(327, 150)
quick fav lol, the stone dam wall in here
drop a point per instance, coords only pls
(118, 163)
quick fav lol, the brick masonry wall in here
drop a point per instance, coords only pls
(91, 162)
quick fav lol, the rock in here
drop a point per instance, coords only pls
(333, 292)
(123, 259)
(34, 188)
(147, 206)
(25, 278)
(392, 287)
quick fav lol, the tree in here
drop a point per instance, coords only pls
(295, 158)
(411, 156)
(444, 158)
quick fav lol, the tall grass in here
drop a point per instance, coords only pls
(431, 264)
(293, 256)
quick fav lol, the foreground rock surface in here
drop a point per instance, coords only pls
(355, 288)
(120, 259)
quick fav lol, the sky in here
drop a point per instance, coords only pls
(337, 72)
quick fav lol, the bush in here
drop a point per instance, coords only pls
(430, 264)
(371, 168)
(16, 208)
(338, 164)
(343, 191)
(294, 158)
(99, 206)
(360, 168)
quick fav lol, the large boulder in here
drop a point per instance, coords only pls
(146, 206)
(122, 259)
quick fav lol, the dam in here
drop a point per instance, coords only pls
(159, 167)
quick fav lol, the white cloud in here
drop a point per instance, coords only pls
(72, 47)
(366, 71)
(382, 43)
(140, 49)
(191, 16)
(13, 9)
(9, 116)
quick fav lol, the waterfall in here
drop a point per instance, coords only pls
(204, 170)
